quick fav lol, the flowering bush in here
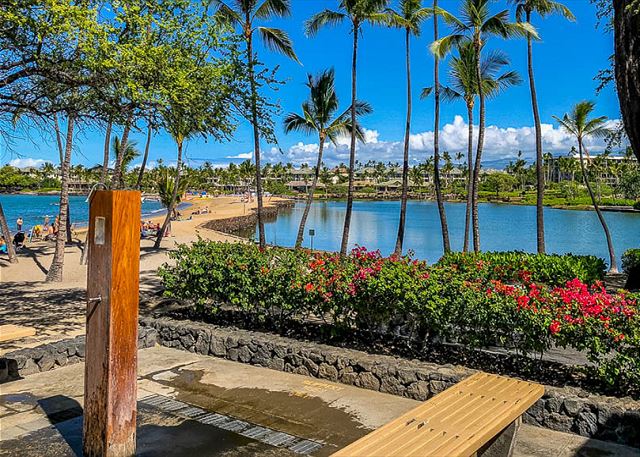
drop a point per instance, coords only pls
(477, 300)
(631, 266)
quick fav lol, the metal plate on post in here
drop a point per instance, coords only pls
(98, 234)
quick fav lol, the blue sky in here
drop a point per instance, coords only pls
(566, 59)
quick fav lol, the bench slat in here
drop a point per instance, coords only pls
(457, 422)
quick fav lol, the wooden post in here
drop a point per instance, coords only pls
(112, 324)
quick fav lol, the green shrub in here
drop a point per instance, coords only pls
(631, 266)
(514, 266)
(636, 205)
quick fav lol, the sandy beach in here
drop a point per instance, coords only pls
(58, 308)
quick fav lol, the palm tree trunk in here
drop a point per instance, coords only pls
(352, 151)
(476, 168)
(539, 159)
(105, 154)
(56, 125)
(613, 264)
(57, 264)
(174, 197)
(145, 157)
(256, 140)
(4, 228)
(61, 154)
(467, 216)
(627, 68)
(446, 245)
(405, 163)
(307, 207)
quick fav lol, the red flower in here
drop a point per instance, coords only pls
(554, 327)
(523, 301)
(308, 287)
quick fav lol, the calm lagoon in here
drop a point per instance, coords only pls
(502, 227)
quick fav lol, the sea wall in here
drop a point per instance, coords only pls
(234, 224)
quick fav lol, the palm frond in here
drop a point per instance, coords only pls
(443, 46)
(425, 92)
(224, 14)
(273, 8)
(322, 19)
(277, 40)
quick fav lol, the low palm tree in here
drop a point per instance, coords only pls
(524, 10)
(409, 17)
(464, 85)
(358, 12)
(578, 124)
(244, 16)
(166, 184)
(128, 152)
(477, 25)
(319, 116)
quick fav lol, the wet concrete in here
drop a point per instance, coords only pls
(40, 415)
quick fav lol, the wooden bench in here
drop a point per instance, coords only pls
(10, 332)
(478, 416)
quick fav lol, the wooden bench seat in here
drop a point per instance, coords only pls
(478, 416)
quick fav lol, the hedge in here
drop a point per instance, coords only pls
(526, 302)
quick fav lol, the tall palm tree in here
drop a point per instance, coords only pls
(524, 10)
(358, 12)
(478, 25)
(464, 85)
(581, 126)
(409, 17)
(243, 16)
(319, 116)
(145, 156)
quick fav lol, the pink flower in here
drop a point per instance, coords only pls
(554, 327)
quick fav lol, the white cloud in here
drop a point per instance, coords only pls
(499, 143)
(27, 162)
(242, 155)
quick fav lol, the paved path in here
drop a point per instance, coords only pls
(203, 406)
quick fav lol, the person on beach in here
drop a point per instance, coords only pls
(19, 224)
(3, 245)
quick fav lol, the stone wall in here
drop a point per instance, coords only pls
(23, 362)
(234, 224)
(564, 409)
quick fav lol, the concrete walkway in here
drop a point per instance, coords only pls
(203, 406)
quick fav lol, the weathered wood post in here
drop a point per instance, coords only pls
(112, 324)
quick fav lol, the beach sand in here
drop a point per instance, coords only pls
(57, 309)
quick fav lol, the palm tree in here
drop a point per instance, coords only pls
(464, 85)
(579, 125)
(128, 152)
(357, 12)
(166, 185)
(524, 10)
(145, 157)
(182, 127)
(408, 17)
(319, 116)
(478, 25)
(244, 15)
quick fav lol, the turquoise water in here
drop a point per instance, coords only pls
(502, 227)
(33, 209)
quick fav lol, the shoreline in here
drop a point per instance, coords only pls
(412, 197)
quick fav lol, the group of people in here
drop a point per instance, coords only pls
(149, 228)
(46, 231)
